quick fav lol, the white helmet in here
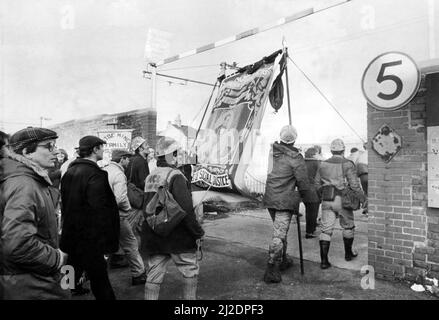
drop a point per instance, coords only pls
(166, 145)
(288, 134)
(136, 143)
(337, 145)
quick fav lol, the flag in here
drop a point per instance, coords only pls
(225, 146)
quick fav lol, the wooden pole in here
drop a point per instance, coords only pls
(288, 88)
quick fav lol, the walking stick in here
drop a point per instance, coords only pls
(300, 243)
(289, 118)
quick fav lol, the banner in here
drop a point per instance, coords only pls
(116, 139)
(225, 146)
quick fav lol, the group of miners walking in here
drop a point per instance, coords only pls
(100, 220)
(317, 181)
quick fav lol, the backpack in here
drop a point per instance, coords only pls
(163, 213)
(351, 199)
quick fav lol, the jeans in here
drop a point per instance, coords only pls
(130, 246)
(135, 219)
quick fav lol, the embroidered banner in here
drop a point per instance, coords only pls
(225, 147)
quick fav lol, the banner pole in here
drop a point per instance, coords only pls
(300, 243)
(153, 85)
(204, 114)
(288, 87)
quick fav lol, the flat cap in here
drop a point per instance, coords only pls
(25, 137)
(117, 154)
(89, 142)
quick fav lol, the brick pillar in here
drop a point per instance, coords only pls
(403, 233)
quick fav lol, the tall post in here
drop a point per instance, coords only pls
(288, 86)
(153, 86)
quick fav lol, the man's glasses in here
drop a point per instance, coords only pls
(49, 146)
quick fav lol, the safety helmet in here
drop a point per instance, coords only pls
(288, 134)
(337, 145)
(136, 143)
(166, 145)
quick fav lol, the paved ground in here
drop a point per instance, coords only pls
(235, 253)
(254, 228)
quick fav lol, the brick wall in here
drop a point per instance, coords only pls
(403, 232)
(143, 121)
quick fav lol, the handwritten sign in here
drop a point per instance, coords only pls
(116, 139)
(433, 166)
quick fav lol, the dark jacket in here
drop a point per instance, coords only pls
(287, 170)
(183, 238)
(312, 166)
(30, 262)
(186, 169)
(137, 171)
(89, 210)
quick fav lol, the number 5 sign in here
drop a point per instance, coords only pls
(390, 81)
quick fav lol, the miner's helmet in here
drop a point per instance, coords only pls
(166, 145)
(136, 143)
(288, 134)
(337, 145)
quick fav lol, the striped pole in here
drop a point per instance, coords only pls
(243, 35)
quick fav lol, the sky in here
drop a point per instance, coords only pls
(64, 60)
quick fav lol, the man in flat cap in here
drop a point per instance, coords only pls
(128, 242)
(30, 266)
(90, 217)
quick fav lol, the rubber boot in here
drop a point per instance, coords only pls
(190, 288)
(152, 291)
(324, 249)
(348, 253)
(272, 273)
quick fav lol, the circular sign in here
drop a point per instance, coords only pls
(390, 81)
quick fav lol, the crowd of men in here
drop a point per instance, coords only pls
(101, 224)
(97, 221)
